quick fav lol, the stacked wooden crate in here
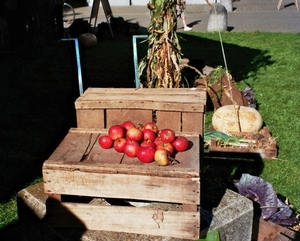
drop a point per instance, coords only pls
(79, 169)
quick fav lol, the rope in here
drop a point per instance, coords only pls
(236, 107)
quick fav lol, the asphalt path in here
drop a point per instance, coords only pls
(246, 15)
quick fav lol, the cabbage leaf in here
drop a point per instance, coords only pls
(262, 192)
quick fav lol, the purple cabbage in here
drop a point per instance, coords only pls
(248, 94)
(262, 192)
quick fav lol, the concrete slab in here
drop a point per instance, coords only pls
(233, 217)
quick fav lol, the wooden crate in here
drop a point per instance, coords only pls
(179, 109)
(80, 167)
(266, 149)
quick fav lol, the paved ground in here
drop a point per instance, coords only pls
(247, 15)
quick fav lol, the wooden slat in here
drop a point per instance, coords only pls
(88, 130)
(185, 225)
(69, 153)
(118, 116)
(90, 118)
(74, 146)
(168, 119)
(193, 122)
(134, 104)
(184, 95)
(265, 230)
(189, 207)
(146, 91)
(177, 190)
(156, 99)
(269, 153)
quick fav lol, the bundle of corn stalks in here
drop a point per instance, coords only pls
(161, 67)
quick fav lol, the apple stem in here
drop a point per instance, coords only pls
(174, 160)
(122, 158)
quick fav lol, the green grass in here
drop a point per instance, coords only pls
(267, 62)
(273, 73)
(8, 212)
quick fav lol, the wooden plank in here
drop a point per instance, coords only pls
(146, 91)
(269, 153)
(156, 99)
(183, 95)
(183, 224)
(162, 189)
(169, 119)
(90, 118)
(134, 167)
(189, 207)
(68, 156)
(193, 122)
(74, 146)
(88, 130)
(264, 230)
(118, 116)
(145, 104)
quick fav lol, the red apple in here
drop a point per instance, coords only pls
(158, 141)
(146, 154)
(131, 147)
(167, 135)
(105, 142)
(134, 134)
(128, 124)
(162, 157)
(148, 143)
(119, 144)
(152, 126)
(149, 135)
(116, 131)
(166, 146)
(181, 143)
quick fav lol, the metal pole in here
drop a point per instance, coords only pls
(80, 84)
(135, 58)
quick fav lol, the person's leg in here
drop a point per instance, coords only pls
(185, 27)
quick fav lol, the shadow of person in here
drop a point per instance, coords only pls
(194, 22)
(59, 215)
(42, 218)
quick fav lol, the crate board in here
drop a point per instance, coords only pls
(179, 109)
(149, 221)
(266, 150)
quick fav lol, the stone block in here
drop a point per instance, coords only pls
(233, 217)
(217, 20)
(227, 4)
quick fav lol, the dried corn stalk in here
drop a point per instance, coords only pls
(160, 68)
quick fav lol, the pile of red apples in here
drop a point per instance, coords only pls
(146, 142)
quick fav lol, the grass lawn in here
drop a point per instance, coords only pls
(273, 74)
(266, 62)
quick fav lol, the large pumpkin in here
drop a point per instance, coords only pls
(228, 118)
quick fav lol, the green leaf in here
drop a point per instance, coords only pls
(211, 236)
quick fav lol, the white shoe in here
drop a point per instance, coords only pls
(187, 28)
